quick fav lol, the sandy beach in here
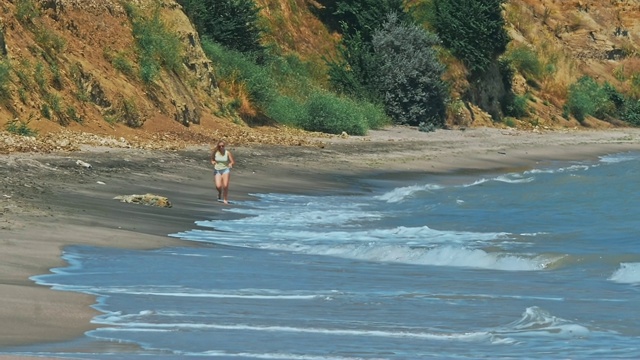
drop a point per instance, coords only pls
(48, 201)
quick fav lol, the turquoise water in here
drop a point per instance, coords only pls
(537, 264)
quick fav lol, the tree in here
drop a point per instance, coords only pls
(473, 30)
(356, 70)
(358, 16)
(231, 23)
(409, 74)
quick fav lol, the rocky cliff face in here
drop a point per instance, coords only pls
(66, 57)
(578, 37)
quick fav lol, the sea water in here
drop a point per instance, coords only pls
(540, 264)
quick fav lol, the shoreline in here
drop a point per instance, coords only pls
(50, 202)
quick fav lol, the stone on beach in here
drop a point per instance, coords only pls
(146, 199)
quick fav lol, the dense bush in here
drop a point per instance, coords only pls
(409, 75)
(231, 23)
(631, 112)
(26, 11)
(355, 70)
(474, 30)
(287, 110)
(526, 61)
(359, 16)
(325, 112)
(516, 106)
(235, 66)
(586, 97)
(354, 75)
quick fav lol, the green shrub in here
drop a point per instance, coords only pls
(526, 61)
(51, 43)
(232, 23)
(22, 95)
(361, 17)
(20, 128)
(408, 74)
(355, 69)
(287, 111)
(516, 106)
(631, 112)
(426, 127)
(374, 115)
(45, 110)
(293, 76)
(26, 11)
(509, 121)
(325, 112)
(120, 62)
(474, 30)
(235, 65)
(586, 97)
(354, 74)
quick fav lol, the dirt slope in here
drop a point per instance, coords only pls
(63, 58)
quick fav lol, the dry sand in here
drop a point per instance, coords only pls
(48, 201)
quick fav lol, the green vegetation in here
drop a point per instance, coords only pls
(5, 78)
(233, 24)
(588, 98)
(52, 44)
(364, 17)
(283, 91)
(409, 74)
(130, 114)
(389, 60)
(158, 47)
(26, 11)
(526, 61)
(19, 127)
(121, 62)
(23, 72)
(517, 106)
(40, 77)
(474, 30)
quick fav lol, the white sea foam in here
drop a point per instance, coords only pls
(438, 256)
(628, 273)
(401, 193)
(276, 356)
(538, 322)
(508, 178)
(415, 333)
(298, 239)
(618, 158)
(567, 169)
(183, 292)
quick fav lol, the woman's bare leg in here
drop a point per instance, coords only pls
(218, 180)
(225, 187)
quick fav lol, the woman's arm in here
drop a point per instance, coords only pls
(231, 161)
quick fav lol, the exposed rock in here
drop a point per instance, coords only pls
(146, 199)
(83, 164)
